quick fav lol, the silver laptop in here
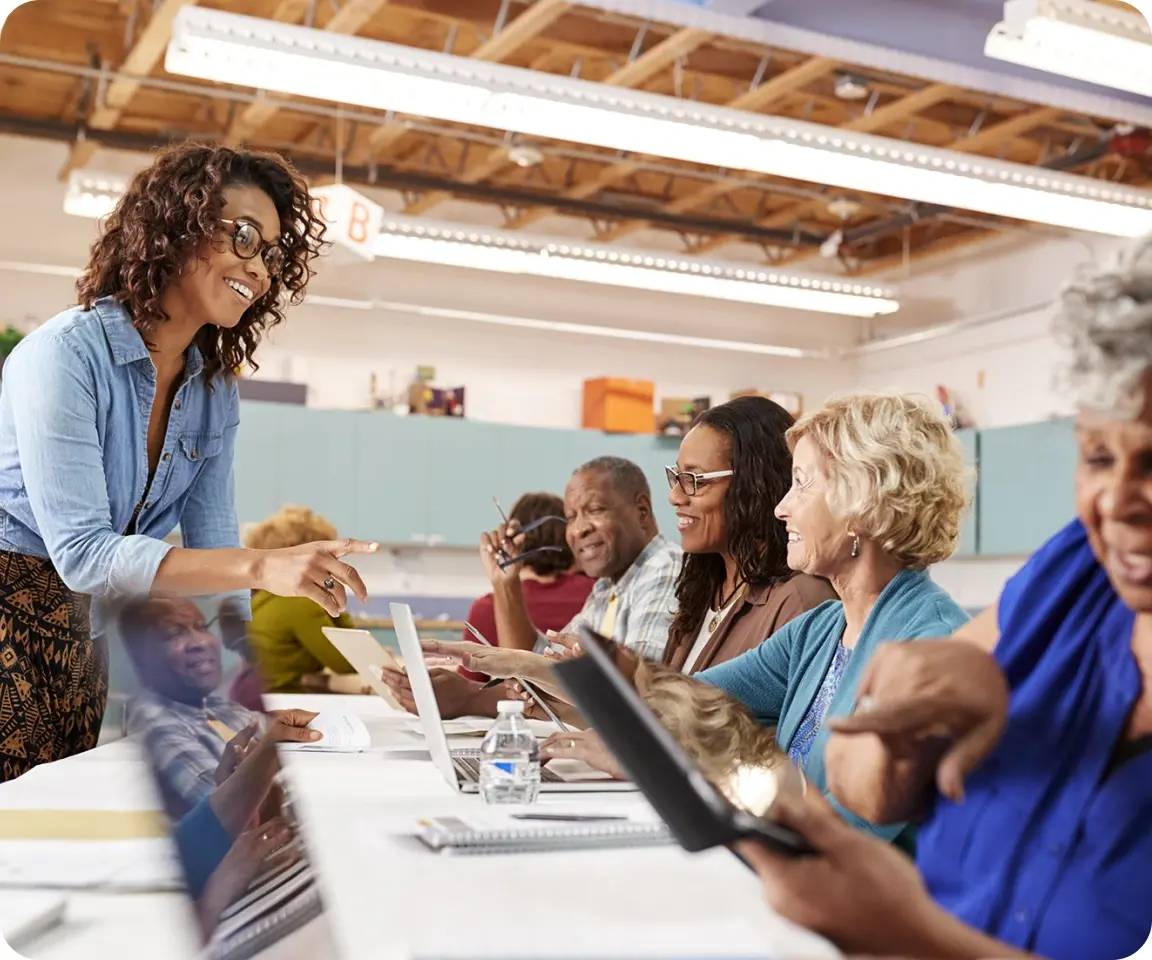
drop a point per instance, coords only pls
(461, 768)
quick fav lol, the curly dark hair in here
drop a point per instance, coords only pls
(761, 476)
(168, 211)
(530, 508)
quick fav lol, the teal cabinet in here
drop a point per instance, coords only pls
(392, 486)
(287, 454)
(1025, 485)
(317, 467)
(257, 462)
(969, 531)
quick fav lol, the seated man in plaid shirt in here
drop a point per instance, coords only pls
(613, 535)
(185, 725)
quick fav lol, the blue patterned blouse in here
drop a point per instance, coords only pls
(801, 744)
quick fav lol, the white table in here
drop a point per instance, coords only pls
(387, 896)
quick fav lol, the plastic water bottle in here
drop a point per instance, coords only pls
(509, 758)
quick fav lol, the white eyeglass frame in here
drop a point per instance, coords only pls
(674, 476)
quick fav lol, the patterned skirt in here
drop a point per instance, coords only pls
(53, 675)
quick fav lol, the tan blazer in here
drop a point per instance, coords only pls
(755, 616)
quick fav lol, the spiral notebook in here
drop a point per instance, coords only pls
(454, 835)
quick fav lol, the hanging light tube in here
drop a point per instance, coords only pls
(253, 52)
(477, 248)
(1081, 39)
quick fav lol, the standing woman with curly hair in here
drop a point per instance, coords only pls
(118, 423)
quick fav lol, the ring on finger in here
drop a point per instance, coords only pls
(571, 744)
(329, 583)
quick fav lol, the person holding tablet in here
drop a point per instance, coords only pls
(118, 423)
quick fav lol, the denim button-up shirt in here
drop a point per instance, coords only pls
(75, 402)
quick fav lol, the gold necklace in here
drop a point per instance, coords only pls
(715, 621)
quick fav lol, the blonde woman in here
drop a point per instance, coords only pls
(878, 492)
(285, 637)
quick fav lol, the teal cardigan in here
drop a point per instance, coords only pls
(779, 679)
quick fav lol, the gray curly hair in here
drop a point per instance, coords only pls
(1104, 319)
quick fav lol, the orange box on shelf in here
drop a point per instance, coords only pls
(620, 406)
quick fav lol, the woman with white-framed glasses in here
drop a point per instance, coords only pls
(735, 589)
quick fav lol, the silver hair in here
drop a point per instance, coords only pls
(1104, 319)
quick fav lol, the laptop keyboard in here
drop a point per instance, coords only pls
(467, 764)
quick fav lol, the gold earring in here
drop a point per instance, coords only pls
(855, 545)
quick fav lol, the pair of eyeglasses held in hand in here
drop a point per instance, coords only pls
(507, 561)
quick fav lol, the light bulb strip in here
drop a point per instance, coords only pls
(602, 253)
(297, 60)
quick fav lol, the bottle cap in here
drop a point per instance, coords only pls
(510, 706)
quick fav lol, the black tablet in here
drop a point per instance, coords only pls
(699, 816)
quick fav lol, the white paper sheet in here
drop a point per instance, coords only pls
(344, 732)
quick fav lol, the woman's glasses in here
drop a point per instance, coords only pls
(248, 242)
(690, 482)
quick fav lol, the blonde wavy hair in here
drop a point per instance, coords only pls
(290, 527)
(718, 733)
(896, 471)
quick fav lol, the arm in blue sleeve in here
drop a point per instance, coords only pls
(209, 519)
(62, 459)
(758, 678)
(202, 843)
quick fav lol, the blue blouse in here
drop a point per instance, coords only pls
(781, 679)
(74, 408)
(1051, 850)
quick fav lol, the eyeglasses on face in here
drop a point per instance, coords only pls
(248, 242)
(690, 483)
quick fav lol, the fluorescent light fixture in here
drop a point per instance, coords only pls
(92, 195)
(582, 329)
(1081, 39)
(229, 48)
(428, 241)
(431, 241)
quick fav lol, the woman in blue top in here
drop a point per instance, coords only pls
(878, 491)
(118, 422)
(1044, 703)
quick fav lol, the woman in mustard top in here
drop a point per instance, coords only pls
(285, 636)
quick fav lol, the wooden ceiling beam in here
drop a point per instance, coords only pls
(532, 22)
(494, 161)
(141, 60)
(1009, 129)
(529, 25)
(902, 108)
(348, 20)
(659, 58)
(795, 78)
